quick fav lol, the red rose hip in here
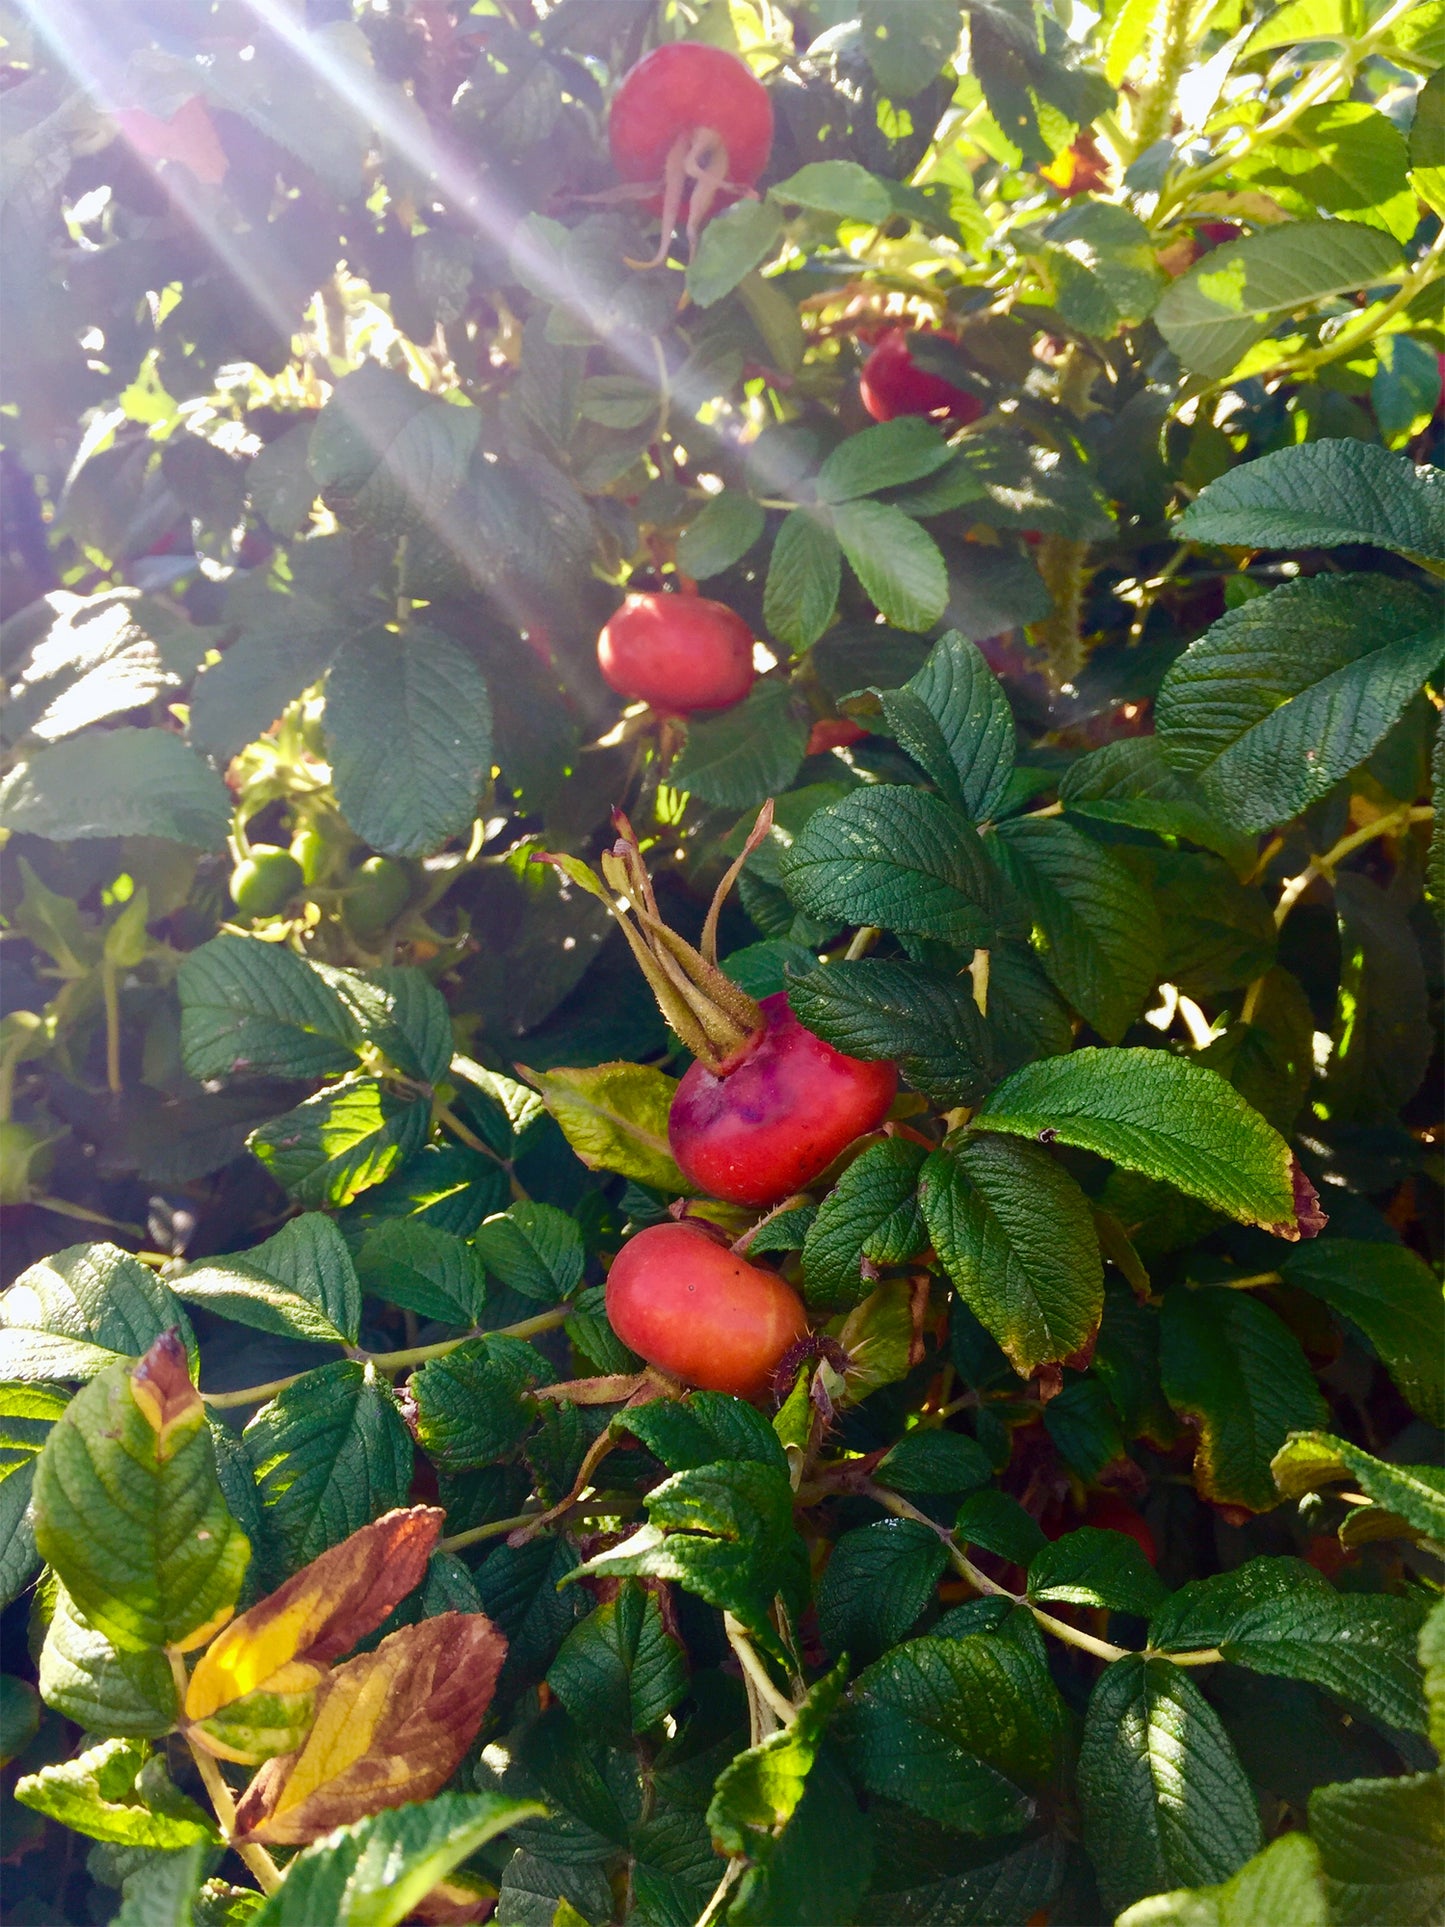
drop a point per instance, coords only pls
(893, 384)
(681, 653)
(776, 1121)
(693, 1308)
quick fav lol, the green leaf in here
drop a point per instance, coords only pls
(869, 1218)
(615, 1118)
(963, 696)
(285, 644)
(118, 782)
(730, 247)
(737, 759)
(899, 564)
(259, 1008)
(1320, 495)
(108, 1793)
(280, 483)
(534, 1249)
(19, 1558)
(377, 1872)
(620, 1670)
(804, 575)
(1095, 929)
(1289, 692)
(72, 1315)
(957, 1729)
(1171, 1119)
(330, 1454)
(1218, 935)
(1432, 1660)
(99, 656)
(409, 723)
(1281, 1617)
(1382, 1034)
(342, 1140)
(1416, 1493)
(1395, 1300)
(723, 1531)
(1015, 1234)
(129, 1511)
(878, 1580)
(1404, 389)
(1344, 157)
(927, 1023)
(837, 187)
(403, 1014)
(706, 1427)
(300, 1283)
(759, 1791)
(1101, 260)
(1282, 1883)
(897, 857)
(932, 1460)
(905, 59)
(1130, 782)
(1382, 1846)
(997, 1522)
(103, 1689)
(1094, 1567)
(1235, 1371)
(1084, 1426)
(1011, 1886)
(885, 455)
(386, 454)
(429, 1271)
(727, 527)
(1213, 314)
(471, 1406)
(1270, 1060)
(1165, 1800)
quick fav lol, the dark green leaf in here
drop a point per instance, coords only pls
(1093, 1567)
(1016, 1236)
(963, 696)
(1382, 1034)
(804, 575)
(878, 1580)
(1165, 1800)
(345, 1138)
(1236, 1372)
(1095, 929)
(1130, 782)
(731, 247)
(620, 1670)
(259, 1008)
(759, 1792)
(704, 1428)
(1382, 1845)
(330, 1454)
(721, 535)
(870, 1218)
(748, 753)
(927, 1023)
(1282, 1883)
(72, 1315)
(1394, 1298)
(884, 456)
(410, 726)
(1101, 260)
(905, 60)
(1162, 1115)
(896, 857)
(899, 564)
(286, 643)
(301, 1283)
(534, 1249)
(1321, 494)
(837, 187)
(471, 1405)
(1289, 692)
(118, 782)
(932, 1460)
(387, 454)
(408, 1262)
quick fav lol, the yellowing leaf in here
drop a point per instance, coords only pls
(391, 1728)
(250, 1695)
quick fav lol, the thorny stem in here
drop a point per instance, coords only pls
(394, 1361)
(1062, 563)
(1324, 866)
(980, 1581)
(110, 994)
(268, 1874)
(1171, 24)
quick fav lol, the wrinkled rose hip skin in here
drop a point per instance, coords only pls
(694, 121)
(693, 1308)
(680, 653)
(893, 384)
(770, 1126)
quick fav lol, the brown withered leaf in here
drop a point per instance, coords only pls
(458, 1901)
(390, 1727)
(319, 1614)
(162, 1389)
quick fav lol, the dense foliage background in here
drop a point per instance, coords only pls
(1088, 1556)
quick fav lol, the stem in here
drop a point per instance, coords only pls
(544, 1321)
(444, 1114)
(492, 1530)
(731, 1875)
(980, 1581)
(1254, 1278)
(1171, 24)
(978, 971)
(776, 1701)
(110, 993)
(863, 941)
(44, 1202)
(1062, 566)
(1425, 271)
(1324, 866)
(268, 1874)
